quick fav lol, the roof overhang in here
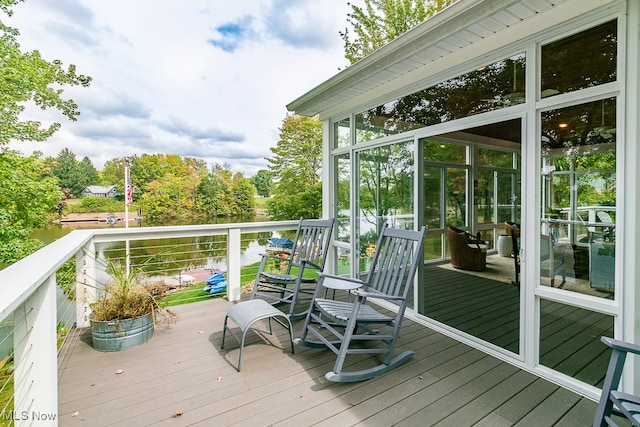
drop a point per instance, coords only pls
(466, 29)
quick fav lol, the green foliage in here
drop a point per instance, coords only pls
(74, 175)
(95, 204)
(129, 295)
(113, 174)
(164, 184)
(296, 167)
(381, 21)
(25, 77)
(305, 203)
(263, 182)
(87, 174)
(221, 193)
(28, 197)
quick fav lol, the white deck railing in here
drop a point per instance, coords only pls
(28, 307)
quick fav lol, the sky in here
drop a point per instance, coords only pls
(198, 78)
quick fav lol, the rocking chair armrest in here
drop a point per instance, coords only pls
(331, 281)
(369, 294)
(305, 263)
(621, 345)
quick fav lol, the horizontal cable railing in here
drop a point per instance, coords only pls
(46, 296)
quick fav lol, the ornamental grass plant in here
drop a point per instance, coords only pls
(129, 295)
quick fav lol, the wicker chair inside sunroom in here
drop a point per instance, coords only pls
(467, 251)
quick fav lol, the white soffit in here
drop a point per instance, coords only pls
(431, 45)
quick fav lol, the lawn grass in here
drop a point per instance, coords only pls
(196, 293)
(248, 273)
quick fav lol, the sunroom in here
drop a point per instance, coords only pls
(515, 121)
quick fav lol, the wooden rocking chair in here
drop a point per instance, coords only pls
(337, 324)
(613, 401)
(307, 254)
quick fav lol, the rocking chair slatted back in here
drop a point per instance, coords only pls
(393, 269)
(311, 241)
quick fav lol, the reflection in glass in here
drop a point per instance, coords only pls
(579, 196)
(343, 202)
(385, 193)
(491, 87)
(436, 150)
(583, 60)
(433, 178)
(485, 196)
(342, 133)
(570, 341)
(484, 304)
(456, 205)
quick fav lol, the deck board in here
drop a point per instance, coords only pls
(182, 370)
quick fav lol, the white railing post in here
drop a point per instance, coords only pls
(234, 266)
(86, 291)
(36, 366)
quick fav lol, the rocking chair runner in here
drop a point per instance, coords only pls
(336, 324)
(308, 252)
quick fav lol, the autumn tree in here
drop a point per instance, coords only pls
(165, 184)
(380, 21)
(296, 168)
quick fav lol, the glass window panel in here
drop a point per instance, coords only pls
(568, 65)
(441, 151)
(570, 341)
(485, 196)
(491, 87)
(579, 198)
(433, 246)
(385, 193)
(342, 133)
(484, 307)
(483, 303)
(496, 158)
(432, 201)
(456, 204)
(344, 261)
(343, 202)
(508, 196)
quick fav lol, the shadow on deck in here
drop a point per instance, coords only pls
(181, 377)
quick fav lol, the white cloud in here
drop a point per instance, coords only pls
(207, 79)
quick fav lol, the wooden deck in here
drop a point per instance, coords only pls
(182, 378)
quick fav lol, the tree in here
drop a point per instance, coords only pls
(28, 196)
(26, 77)
(381, 21)
(113, 174)
(262, 181)
(221, 193)
(87, 173)
(296, 169)
(65, 170)
(72, 175)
